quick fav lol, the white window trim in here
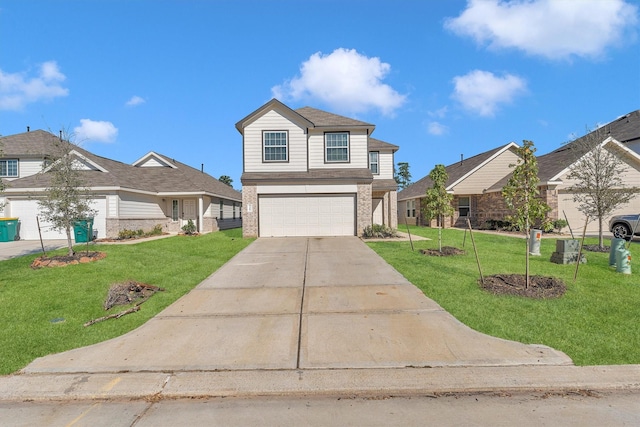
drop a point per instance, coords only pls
(411, 208)
(175, 218)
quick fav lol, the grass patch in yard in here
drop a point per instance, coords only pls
(42, 311)
(597, 321)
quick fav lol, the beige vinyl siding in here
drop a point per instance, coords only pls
(28, 167)
(385, 161)
(358, 151)
(488, 174)
(140, 206)
(297, 145)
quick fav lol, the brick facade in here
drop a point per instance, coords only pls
(249, 210)
(364, 208)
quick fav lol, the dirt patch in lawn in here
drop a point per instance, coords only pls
(596, 248)
(64, 260)
(446, 251)
(128, 292)
(514, 284)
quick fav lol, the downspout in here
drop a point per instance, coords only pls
(201, 214)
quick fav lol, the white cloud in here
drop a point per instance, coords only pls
(98, 131)
(135, 100)
(483, 92)
(17, 89)
(550, 28)
(345, 80)
(436, 128)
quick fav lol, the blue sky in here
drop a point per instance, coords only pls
(440, 79)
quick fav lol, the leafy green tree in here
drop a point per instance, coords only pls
(66, 198)
(599, 188)
(402, 176)
(437, 202)
(225, 179)
(521, 195)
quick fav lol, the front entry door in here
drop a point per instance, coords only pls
(189, 212)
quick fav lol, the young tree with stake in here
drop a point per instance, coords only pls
(437, 202)
(521, 195)
(66, 198)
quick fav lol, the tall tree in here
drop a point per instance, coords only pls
(66, 198)
(598, 174)
(437, 202)
(402, 176)
(521, 195)
(225, 179)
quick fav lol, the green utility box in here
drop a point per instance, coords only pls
(8, 229)
(83, 230)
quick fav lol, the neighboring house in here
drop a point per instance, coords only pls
(621, 136)
(307, 172)
(153, 190)
(468, 181)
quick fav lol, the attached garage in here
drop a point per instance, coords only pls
(26, 210)
(307, 215)
(566, 206)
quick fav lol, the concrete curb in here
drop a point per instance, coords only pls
(156, 386)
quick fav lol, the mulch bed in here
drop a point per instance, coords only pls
(446, 251)
(64, 260)
(540, 287)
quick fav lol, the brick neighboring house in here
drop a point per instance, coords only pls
(478, 181)
(155, 189)
(307, 172)
(468, 181)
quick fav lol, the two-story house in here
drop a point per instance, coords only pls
(307, 172)
(154, 190)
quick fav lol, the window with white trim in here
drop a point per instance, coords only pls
(9, 168)
(221, 210)
(234, 210)
(274, 146)
(411, 208)
(374, 162)
(336, 147)
(175, 210)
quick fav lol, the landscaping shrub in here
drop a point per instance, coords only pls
(378, 231)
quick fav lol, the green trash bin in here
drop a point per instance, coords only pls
(83, 230)
(8, 229)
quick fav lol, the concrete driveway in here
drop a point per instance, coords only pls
(300, 304)
(19, 248)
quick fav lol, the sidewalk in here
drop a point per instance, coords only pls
(305, 316)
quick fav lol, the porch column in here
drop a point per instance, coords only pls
(201, 214)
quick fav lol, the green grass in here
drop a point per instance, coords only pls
(31, 299)
(597, 321)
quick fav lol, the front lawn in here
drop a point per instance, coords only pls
(597, 321)
(43, 311)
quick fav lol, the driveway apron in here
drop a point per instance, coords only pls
(300, 303)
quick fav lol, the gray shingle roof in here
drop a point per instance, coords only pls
(624, 129)
(376, 144)
(321, 118)
(182, 179)
(28, 144)
(360, 174)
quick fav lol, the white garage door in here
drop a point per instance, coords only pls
(577, 219)
(307, 215)
(26, 211)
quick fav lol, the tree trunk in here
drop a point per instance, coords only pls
(528, 235)
(69, 242)
(600, 236)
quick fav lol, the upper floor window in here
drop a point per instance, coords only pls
(374, 164)
(275, 147)
(336, 147)
(9, 168)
